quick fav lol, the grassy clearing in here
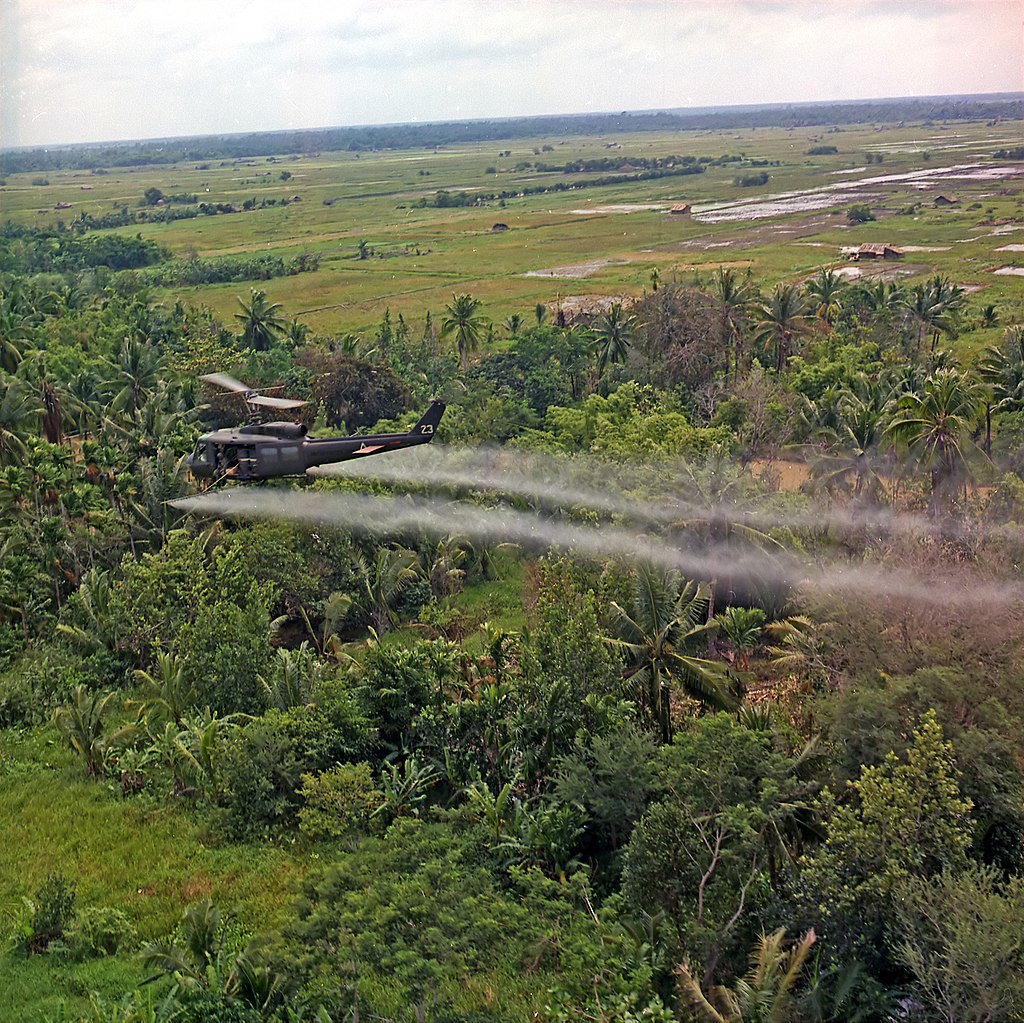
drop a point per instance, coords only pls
(148, 859)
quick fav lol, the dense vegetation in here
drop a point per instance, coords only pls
(338, 771)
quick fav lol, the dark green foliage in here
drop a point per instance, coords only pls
(709, 850)
(51, 912)
(263, 763)
(613, 776)
(422, 918)
(908, 819)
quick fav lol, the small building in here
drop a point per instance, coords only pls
(683, 210)
(875, 250)
(946, 200)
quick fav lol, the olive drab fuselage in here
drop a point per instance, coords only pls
(265, 450)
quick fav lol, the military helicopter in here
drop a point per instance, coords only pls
(260, 450)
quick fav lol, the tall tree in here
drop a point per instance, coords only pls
(463, 319)
(936, 426)
(782, 317)
(825, 291)
(665, 621)
(735, 297)
(613, 337)
(260, 320)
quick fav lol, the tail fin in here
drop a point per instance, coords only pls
(427, 426)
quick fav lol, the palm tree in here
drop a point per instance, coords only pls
(666, 618)
(735, 297)
(1001, 367)
(463, 319)
(936, 427)
(862, 416)
(613, 337)
(743, 628)
(82, 722)
(19, 417)
(513, 324)
(717, 507)
(260, 320)
(824, 290)
(169, 693)
(137, 372)
(880, 296)
(934, 306)
(199, 960)
(783, 317)
(381, 582)
(291, 683)
(763, 995)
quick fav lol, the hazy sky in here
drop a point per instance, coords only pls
(88, 70)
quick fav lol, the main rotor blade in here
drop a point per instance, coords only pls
(262, 399)
(229, 383)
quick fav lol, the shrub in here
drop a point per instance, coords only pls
(859, 213)
(338, 801)
(51, 913)
(100, 931)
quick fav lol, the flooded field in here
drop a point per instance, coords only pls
(840, 193)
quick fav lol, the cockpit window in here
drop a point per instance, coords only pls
(199, 455)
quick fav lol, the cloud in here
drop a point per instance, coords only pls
(105, 69)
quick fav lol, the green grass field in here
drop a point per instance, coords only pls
(601, 240)
(149, 862)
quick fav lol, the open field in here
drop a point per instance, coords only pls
(592, 241)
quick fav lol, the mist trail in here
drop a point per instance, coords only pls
(440, 518)
(565, 482)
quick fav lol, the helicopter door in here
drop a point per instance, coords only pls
(247, 462)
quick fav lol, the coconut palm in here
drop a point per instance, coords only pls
(782, 317)
(862, 418)
(168, 693)
(1001, 368)
(743, 628)
(825, 291)
(934, 307)
(260, 320)
(82, 722)
(381, 582)
(735, 297)
(291, 682)
(136, 373)
(19, 418)
(666, 619)
(463, 319)
(513, 324)
(613, 337)
(718, 513)
(199, 960)
(935, 426)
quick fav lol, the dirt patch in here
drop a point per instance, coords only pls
(576, 305)
(882, 271)
(926, 248)
(574, 270)
(1010, 271)
(781, 473)
(1010, 248)
(622, 207)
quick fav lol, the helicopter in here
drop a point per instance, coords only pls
(262, 450)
